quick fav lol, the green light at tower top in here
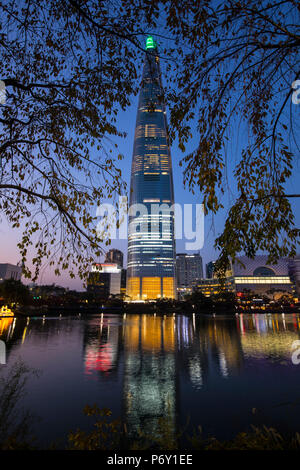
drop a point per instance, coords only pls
(150, 43)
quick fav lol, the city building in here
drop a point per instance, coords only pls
(151, 241)
(123, 281)
(114, 256)
(188, 269)
(213, 286)
(210, 269)
(10, 271)
(255, 276)
(105, 280)
(294, 272)
(262, 278)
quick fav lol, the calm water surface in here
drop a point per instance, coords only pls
(192, 370)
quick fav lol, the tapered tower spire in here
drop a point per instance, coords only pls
(151, 244)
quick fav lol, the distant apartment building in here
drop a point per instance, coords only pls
(114, 256)
(209, 268)
(10, 271)
(105, 280)
(188, 269)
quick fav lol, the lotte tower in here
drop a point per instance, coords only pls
(151, 242)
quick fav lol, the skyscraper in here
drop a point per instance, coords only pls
(151, 243)
(114, 256)
(188, 268)
(105, 280)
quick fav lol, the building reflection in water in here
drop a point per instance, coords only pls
(269, 336)
(101, 345)
(150, 373)
(160, 355)
(160, 364)
(7, 326)
(7, 331)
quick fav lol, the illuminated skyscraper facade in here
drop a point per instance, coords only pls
(151, 243)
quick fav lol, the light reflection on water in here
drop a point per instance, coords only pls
(212, 371)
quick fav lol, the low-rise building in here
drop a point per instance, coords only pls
(256, 276)
(213, 286)
(262, 278)
(10, 271)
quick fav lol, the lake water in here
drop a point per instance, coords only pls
(195, 370)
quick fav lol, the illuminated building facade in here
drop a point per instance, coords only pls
(105, 280)
(256, 276)
(262, 278)
(151, 243)
(210, 287)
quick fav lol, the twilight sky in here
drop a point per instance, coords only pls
(213, 225)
